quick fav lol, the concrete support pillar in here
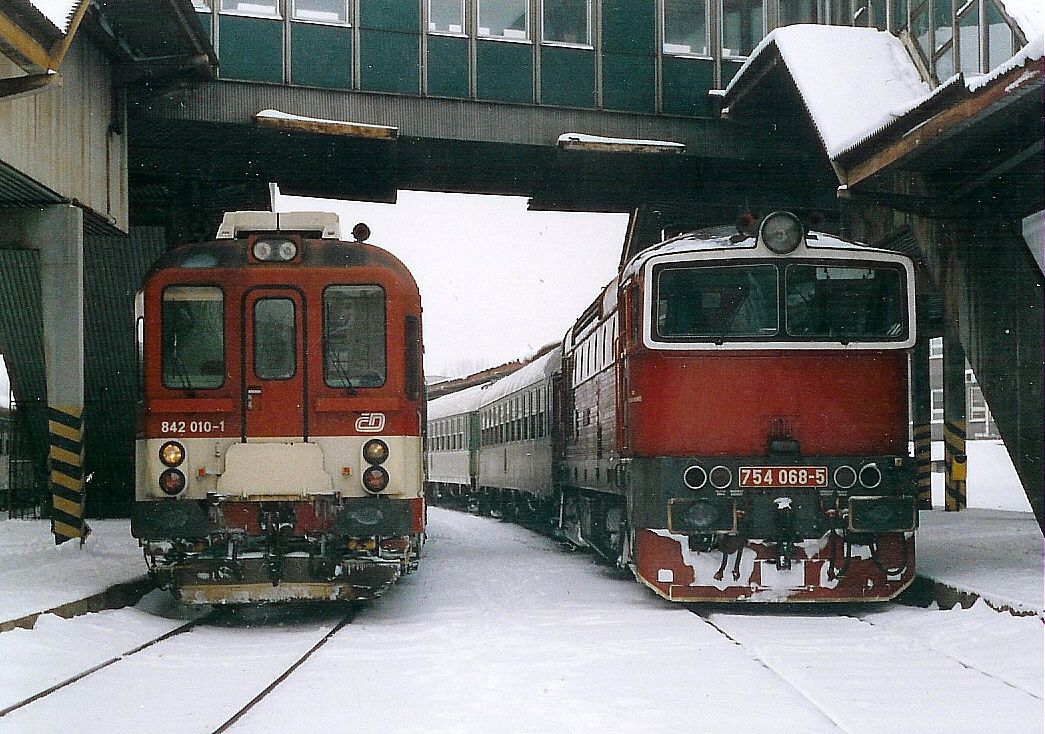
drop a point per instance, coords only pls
(921, 411)
(954, 422)
(56, 231)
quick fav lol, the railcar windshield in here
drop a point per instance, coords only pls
(192, 337)
(710, 302)
(354, 338)
(846, 302)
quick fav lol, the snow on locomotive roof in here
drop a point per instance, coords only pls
(462, 401)
(233, 223)
(536, 371)
(726, 238)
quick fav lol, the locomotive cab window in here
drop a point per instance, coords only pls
(354, 336)
(707, 303)
(192, 337)
(846, 303)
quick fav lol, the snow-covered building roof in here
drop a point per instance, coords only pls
(456, 403)
(851, 81)
(1029, 15)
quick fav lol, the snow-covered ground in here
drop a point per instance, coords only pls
(992, 481)
(36, 575)
(504, 631)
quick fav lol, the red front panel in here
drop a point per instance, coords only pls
(832, 402)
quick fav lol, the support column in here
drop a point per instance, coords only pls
(921, 413)
(954, 424)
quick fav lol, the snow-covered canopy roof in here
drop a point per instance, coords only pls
(456, 403)
(852, 81)
(59, 12)
(1028, 14)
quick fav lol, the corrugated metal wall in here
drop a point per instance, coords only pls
(113, 267)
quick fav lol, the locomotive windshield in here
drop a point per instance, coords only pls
(354, 336)
(865, 303)
(711, 302)
(193, 337)
(851, 301)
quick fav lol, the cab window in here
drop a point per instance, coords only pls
(192, 337)
(354, 336)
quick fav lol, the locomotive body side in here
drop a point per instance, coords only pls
(279, 446)
(764, 421)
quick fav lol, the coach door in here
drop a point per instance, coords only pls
(274, 365)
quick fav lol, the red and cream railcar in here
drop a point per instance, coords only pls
(279, 450)
(757, 396)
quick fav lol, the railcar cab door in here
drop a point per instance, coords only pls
(274, 366)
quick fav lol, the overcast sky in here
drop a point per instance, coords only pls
(497, 281)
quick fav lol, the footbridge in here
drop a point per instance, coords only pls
(133, 125)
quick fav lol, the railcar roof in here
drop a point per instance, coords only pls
(726, 238)
(456, 403)
(535, 372)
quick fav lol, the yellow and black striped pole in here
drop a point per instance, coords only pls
(65, 432)
(921, 416)
(954, 426)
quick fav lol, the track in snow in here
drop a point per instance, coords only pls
(868, 674)
(193, 678)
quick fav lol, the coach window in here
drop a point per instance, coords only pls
(192, 337)
(334, 12)
(686, 27)
(260, 8)
(742, 26)
(711, 303)
(567, 21)
(275, 339)
(446, 16)
(354, 336)
(508, 19)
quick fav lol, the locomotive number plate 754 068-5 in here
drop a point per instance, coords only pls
(783, 476)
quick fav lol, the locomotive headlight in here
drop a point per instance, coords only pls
(275, 250)
(781, 232)
(172, 453)
(287, 250)
(845, 476)
(870, 476)
(375, 451)
(375, 478)
(263, 250)
(695, 477)
(720, 477)
(172, 481)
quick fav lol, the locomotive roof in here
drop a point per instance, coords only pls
(456, 403)
(726, 238)
(535, 372)
(315, 253)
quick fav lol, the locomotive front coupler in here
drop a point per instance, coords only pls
(784, 519)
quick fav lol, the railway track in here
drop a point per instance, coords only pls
(853, 667)
(135, 670)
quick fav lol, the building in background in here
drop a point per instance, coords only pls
(978, 415)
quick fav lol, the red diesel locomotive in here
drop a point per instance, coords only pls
(730, 421)
(279, 447)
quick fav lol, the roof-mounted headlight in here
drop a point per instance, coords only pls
(275, 249)
(781, 232)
